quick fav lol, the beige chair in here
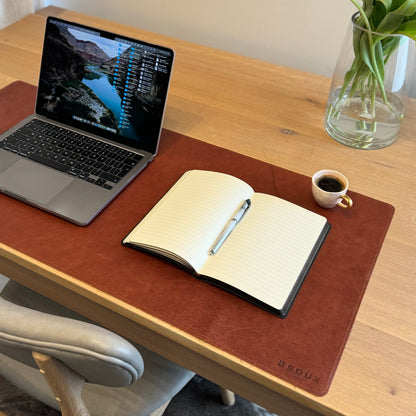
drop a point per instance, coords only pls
(84, 368)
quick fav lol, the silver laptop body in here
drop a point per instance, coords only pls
(105, 96)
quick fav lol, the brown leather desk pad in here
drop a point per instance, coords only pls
(303, 349)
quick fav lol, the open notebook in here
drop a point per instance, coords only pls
(257, 246)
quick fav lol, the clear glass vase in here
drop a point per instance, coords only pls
(369, 89)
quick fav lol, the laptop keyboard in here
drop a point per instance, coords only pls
(75, 154)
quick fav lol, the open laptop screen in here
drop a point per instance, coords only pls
(103, 83)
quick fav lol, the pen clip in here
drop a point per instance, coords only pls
(242, 211)
(227, 230)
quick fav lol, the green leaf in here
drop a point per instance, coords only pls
(368, 7)
(372, 50)
(379, 11)
(408, 28)
(390, 45)
(372, 56)
(379, 57)
(394, 19)
(367, 4)
(356, 39)
(365, 52)
(378, 14)
(389, 24)
(412, 17)
(397, 3)
(407, 8)
(386, 3)
(362, 19)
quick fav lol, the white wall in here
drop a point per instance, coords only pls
(13, 10)
(302, 34)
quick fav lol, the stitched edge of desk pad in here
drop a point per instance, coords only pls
(304, 349)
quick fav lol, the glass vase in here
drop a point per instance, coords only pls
(369, 89)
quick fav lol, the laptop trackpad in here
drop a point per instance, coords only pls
(33, 182)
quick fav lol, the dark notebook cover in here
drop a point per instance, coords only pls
(253, 278)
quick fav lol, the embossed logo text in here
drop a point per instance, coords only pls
(298, 372)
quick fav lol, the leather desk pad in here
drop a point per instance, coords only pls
(304, 349)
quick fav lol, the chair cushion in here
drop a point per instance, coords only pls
(161, 380)
(98, 355)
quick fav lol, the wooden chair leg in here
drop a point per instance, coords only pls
(65, 384)
(161, 410)
(228, 397)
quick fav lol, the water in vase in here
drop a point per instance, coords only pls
(364, 123)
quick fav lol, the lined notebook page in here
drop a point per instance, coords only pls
(188, 219)
(267, 251)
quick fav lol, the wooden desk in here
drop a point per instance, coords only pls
(274, 114)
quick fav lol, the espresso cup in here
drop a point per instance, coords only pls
(329, 188)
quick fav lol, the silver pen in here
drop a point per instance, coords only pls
(230, 226)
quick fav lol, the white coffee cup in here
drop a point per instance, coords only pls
(329, 188)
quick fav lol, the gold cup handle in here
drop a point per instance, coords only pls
(348, 201)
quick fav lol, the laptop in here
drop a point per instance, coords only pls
(97, 123)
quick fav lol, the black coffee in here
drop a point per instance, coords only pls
(330, 184)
